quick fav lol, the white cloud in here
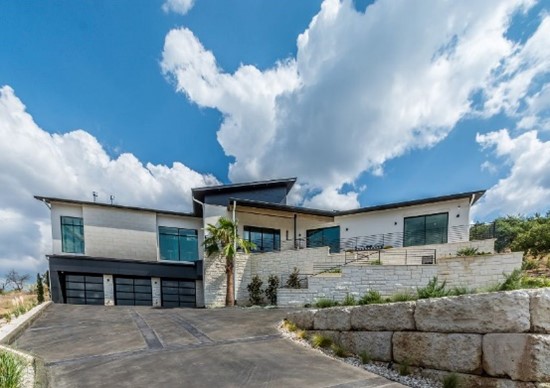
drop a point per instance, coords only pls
(526, 189)
(69, 165)
(520, 86)
(364, 88)
(178, 6)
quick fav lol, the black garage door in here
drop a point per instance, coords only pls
(84, 289)
(178, 293)
(131, 291)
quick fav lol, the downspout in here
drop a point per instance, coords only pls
(295, 231)
(235, 250)
(49, 206)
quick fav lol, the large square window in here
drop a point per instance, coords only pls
(178, 244)
(72, 234)
(426, 229)
(324, 237)
(265, 239)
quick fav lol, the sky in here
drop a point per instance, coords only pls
(366, 102)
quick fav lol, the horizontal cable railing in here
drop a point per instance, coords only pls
(394, 239)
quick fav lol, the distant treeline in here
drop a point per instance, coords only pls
(517, 233)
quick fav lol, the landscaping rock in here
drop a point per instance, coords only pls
(337, 318)
(502, 312)
(473, 381)
(540, 310)
(377, 317)
(377, 344)
(452, 352)
(524, 357)
(303, 318)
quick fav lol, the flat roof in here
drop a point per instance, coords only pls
(101, 204)
(279, 206)
(473, 195)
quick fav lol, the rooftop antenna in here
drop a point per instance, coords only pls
(94, 194)
(112, 198)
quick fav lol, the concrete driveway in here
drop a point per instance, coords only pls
(95, 346)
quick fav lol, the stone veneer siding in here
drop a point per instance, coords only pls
(499, 339)
(471, 272)
(388, 279)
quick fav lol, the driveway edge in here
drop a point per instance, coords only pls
(11, 331)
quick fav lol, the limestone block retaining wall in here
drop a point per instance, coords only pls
(471, 272)
(492, 340)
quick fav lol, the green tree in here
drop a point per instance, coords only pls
(39, 289)
(223, 240)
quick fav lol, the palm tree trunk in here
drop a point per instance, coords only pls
(230, 293)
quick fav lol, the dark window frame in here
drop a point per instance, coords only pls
(446, 234)
(178, 234)
(262, 230)
(64, 223)
(333, 244)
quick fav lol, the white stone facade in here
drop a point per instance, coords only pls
(471, 272)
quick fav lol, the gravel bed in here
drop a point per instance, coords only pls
(383, 369)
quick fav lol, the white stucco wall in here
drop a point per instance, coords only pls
(120, 233)
(392, 220)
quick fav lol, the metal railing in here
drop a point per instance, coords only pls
(394, 239)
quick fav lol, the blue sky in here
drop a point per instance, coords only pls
(366, 102)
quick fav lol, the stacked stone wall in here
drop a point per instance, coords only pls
(491, 340)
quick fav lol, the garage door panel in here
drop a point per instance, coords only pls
(131, 291)
(178, 293)
(94, 287)
(75, 286)
(145, 289)
(84, 289)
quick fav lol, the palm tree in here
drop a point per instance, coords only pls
(223, 240)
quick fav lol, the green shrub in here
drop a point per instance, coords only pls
(293, 280)
(451, 381)
(403, 297)
(365, 357)
(376, 262)
(529, 264)
(457, 291)
(339, 351)
(371, 297)
(11, 370)
(271, 290)
(511, 282)
(334, 270)
(39, 289)
(467, 251)
(405, 368)
(433, 289)
(290, 326)
(255, 290)
(302, 334)
(532, 282)
(320, 341)
(349, 300)
(325, 302)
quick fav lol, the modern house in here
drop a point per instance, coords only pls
(124, 255)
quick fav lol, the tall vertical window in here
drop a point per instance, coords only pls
(425, 230)
(265, 239)
(72, 235)
(324, 237)
(178, 244)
